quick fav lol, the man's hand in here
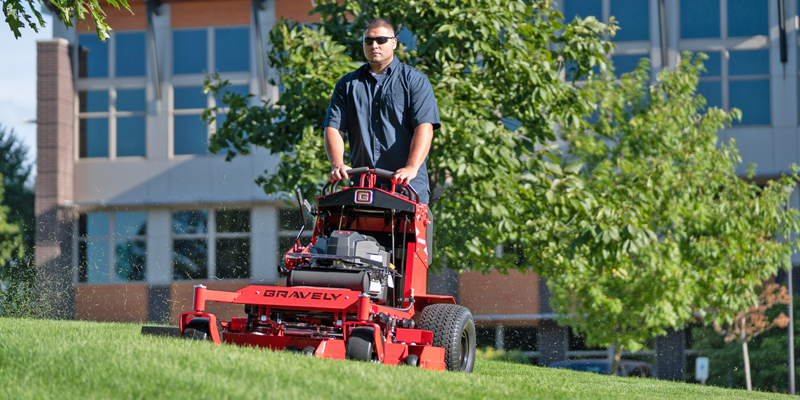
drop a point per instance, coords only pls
(405, 175)
(338, 172)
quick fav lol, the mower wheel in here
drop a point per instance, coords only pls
(292, 349)
(308, 350)
(454, 329)
(198, 329)
(359, 344)
(412, 360)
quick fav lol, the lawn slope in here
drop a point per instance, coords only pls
(84, 360)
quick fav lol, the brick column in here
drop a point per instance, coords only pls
(54, 189)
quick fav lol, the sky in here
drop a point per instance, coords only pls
(18, 81)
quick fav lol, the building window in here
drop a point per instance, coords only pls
(710, 84)
(93, 123)
(624, 64)
(112, 246)
(633, 17)
(211, 244)
(699, 19)
(128, 48)
(233, 244)
(191, 53)
(127, 111)
(749, 85)
(582, 9)
(747, 18)
(92, 56)
(190, 133)
(737, 76)
(112, 112)
(130, 54)
(232, 49)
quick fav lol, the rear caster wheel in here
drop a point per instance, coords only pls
(292, 349)
(200, 329)
(309, 351)
(412, 360)
(359, 345)
(454, 329)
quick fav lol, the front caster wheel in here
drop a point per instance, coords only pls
(359, 344)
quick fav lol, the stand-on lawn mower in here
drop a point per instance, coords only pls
(357, 291)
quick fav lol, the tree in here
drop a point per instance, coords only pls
(767, 354)
(17, 14)
(754, 321)
(676, 230)
(17, 271)
(14, 292)
(497, 72)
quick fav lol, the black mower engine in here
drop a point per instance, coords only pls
(348, 260)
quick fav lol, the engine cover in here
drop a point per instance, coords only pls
(354, 244)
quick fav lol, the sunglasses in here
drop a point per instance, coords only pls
(380, 39)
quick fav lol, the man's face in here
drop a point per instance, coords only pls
(379, 53)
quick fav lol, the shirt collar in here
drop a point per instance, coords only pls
(395, 62)
(389, 69)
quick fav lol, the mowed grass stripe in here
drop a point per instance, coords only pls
(42, 359)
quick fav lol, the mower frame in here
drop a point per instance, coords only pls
(321, 321)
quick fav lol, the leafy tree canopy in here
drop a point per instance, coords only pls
(16, 225)
(18, 14)
(676, 231)
(493, 66)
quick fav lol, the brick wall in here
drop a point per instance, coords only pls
(209, 13)
(54, 181)
(498, 294)
(120, 19)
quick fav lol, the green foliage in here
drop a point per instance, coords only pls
(489, 353)
(17, 14)
(47, 359)
(17, 271)
(676, 230)
(768, 357)
(488, 62)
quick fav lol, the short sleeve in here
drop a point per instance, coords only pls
(336, 117)
(423, 102)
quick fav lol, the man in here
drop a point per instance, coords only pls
(389, 112)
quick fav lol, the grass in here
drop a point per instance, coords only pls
(41, 359)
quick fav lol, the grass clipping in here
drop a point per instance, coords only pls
(86, 360)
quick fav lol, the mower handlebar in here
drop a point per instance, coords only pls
(377, 171)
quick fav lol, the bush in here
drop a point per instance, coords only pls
(512, 356)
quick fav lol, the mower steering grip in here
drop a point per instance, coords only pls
(356, 171)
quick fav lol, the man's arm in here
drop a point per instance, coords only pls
(334, 146)
(420, 146)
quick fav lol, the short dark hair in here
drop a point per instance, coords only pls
(379, 23)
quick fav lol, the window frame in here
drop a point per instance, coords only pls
(724, 44)
(211, 237)
(111, 239)
(240, 78)
(111, 84)
(111, 115)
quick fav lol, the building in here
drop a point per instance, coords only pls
(129, 201)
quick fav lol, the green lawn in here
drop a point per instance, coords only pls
(43, 359)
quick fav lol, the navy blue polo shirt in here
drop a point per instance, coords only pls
(379, 115)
